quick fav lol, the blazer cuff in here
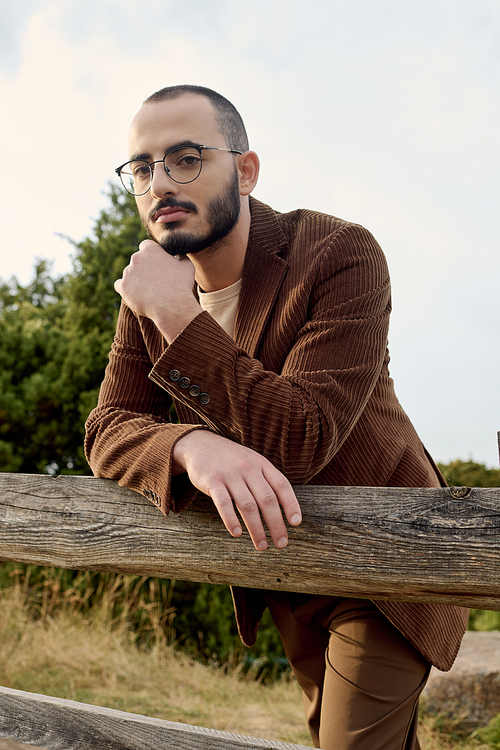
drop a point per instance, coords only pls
(193, 369)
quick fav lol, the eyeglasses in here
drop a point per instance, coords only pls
(182, 164)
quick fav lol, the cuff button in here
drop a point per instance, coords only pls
(194, 390)
(204, 398)
(184, 382)
(174, 375)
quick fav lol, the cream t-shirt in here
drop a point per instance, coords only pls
(222, 305)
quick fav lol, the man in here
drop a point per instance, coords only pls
(284, 381)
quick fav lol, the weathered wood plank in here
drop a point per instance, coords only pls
(439, 545)
(58, 724)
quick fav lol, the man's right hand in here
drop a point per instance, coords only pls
(230, 473)
(160, 287)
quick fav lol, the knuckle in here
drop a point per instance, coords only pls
(247, 507)
(244, 464)
(222, 503)
(282, 482)
(218, 494)
(268, 500)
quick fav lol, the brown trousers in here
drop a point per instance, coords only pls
(361, 679)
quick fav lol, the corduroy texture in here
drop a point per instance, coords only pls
(305, 383)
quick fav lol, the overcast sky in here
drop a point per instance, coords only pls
(382, 112)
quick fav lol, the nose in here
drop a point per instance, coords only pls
(161, 184)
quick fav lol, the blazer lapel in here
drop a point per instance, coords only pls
(263, 274)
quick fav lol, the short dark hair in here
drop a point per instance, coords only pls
(227, 116)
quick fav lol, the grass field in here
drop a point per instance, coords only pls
(93, 659)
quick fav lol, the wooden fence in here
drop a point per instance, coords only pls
(425, 545)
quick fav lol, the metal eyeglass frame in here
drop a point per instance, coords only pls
(151, 164)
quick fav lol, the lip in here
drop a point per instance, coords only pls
(166, 215)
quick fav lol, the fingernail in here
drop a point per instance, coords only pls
(282, 542)
(296, 519)
(237, 531)
(262, 545)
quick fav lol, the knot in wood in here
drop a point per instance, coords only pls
(460, 493)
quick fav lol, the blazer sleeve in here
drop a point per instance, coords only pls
(129, 435)
(300, 416)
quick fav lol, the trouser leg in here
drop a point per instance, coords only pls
(360, 678)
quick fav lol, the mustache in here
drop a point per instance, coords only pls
(172, 203)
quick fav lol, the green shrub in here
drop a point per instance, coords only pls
(490, 734)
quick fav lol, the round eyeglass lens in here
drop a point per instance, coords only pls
(183, 164)
(136, 177)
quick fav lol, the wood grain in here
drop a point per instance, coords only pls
(58, 724)
(429, 545)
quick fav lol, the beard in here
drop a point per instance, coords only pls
(223, 213)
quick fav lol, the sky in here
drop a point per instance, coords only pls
(384, 113)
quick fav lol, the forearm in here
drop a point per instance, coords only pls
(297, 418)
(137, 452)
(129, 435)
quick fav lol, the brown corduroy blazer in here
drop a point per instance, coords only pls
(305, 383)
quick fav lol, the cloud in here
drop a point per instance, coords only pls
(15, 18)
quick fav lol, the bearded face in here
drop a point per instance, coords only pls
(222, 214)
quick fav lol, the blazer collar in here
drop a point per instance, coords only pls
(263, 274)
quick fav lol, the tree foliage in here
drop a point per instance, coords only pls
(55, 336)
(470, 474)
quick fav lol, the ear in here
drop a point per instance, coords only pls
(248, 170)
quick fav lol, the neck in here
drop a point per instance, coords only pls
(218, 267)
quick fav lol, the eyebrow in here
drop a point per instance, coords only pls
(147, 156)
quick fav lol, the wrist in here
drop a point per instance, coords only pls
(181, 451)
(172, 324)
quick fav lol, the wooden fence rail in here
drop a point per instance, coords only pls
(428, 545)
(57, 724)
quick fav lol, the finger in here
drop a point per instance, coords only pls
(224, 504)
(285, 494)
(268, 505)
(247, 502)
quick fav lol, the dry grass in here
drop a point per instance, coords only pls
(96, 661)
(87, 660)
(437, 733)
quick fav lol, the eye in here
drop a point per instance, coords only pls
(137, 170)
(188, 161)
(140, 170)
(184, 159)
